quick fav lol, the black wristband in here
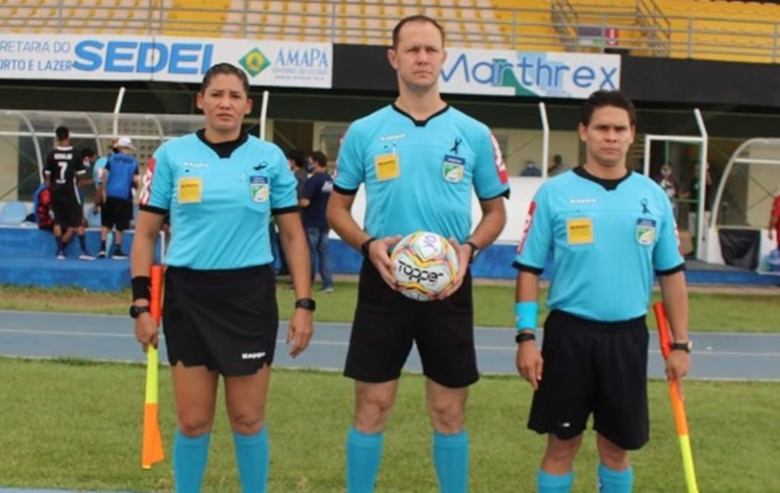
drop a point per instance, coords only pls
(364, 246)
(142, 287)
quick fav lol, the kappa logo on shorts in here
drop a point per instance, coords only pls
(257, 355)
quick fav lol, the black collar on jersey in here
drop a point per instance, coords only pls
(607, 184)
(223, 149)
(420, 123)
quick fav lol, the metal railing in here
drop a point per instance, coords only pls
(640, 28)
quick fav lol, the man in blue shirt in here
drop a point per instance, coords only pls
(115, 193)
(609, 231)
(420, 161)
(314, 201)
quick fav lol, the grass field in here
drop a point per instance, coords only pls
(73, 424)
(493, 306)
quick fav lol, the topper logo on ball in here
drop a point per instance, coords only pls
(413, 273)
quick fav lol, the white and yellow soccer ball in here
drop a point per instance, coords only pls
(424, 265)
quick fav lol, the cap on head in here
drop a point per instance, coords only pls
(125, 142)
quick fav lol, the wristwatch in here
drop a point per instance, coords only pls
(682, 346)
(136, 310)
(306, 304)
(474, 251)
(524, 336)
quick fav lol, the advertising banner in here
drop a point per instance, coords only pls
(535, 74)
(162, 58)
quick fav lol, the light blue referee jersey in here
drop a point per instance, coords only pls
(220, 207)
(420, 175)
(605, 244)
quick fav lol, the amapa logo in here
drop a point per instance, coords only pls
(254, 62)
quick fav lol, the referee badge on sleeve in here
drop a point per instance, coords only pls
(645, 231)
(259, 189)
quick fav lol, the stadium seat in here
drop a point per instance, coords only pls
(13, 213)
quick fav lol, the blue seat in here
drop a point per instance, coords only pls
(13, 213)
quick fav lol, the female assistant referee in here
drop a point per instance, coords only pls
(220, 317)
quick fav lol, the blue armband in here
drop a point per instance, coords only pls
(526, 313)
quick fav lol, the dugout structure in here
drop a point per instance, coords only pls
(737, 234)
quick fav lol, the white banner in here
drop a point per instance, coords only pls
(163, 58)
(534, 74)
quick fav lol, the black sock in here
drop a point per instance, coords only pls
(83, 243)
(102, 245)
(60, 244)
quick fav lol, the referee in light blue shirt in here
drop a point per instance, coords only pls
(420, 161)
(220, 315)
(609, 231)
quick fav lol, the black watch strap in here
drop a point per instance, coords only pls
(682, 346)
(365, 245)
(524, 336)
(136, 310)
(306, 304)
(474, 250)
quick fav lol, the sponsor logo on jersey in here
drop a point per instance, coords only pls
(146, 183)
(387, 138)
(188, 164)
(527, 227)
(498, 160)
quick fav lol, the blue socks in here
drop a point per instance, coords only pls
(553, 483)
(252, 455)
(364, 452)
(611, 481)
(451, 458)
(189, 461)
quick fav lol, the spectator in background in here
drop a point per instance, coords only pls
(296, 159)
(299, 166)
(64, 168)
(90, 158)
(557, 167)
(42, 208)
(116, 194)
(668, 182)
(531, 169)
(774, 219)
(314, 202)
(101, 161)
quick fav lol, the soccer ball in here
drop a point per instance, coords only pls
(424, 265)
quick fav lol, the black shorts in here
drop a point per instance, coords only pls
(387, 323)
(225, 320)
(593, 367)
(67, 210)
(116, 212)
